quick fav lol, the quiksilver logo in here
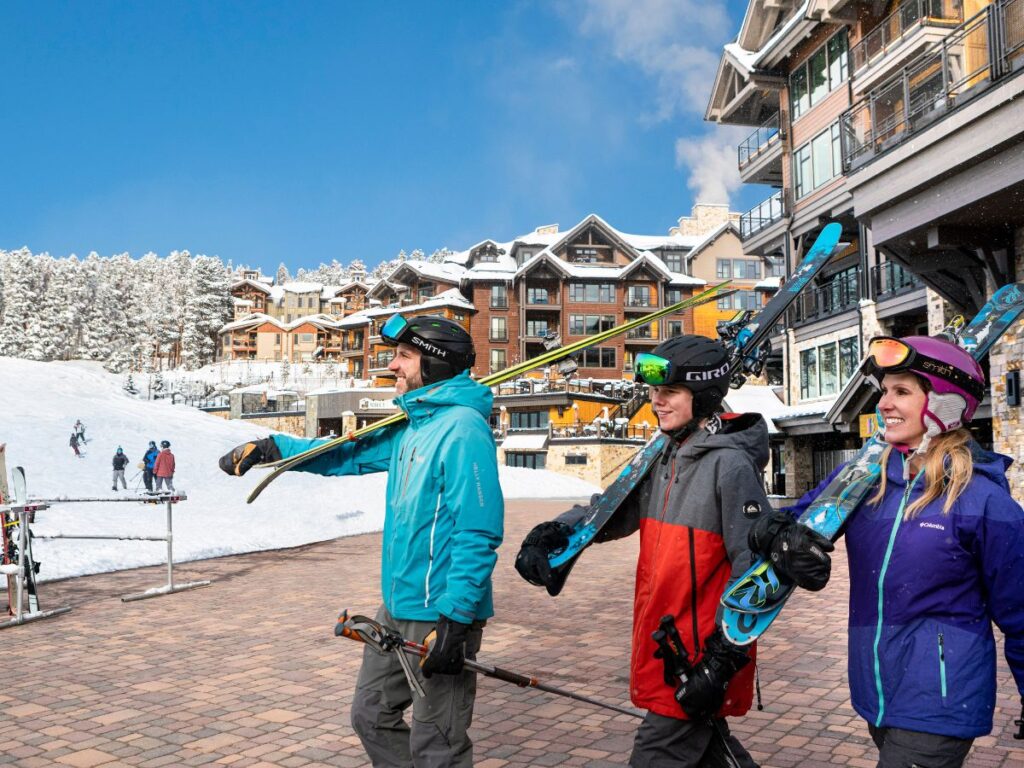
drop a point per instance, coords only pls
(433, 349)
(707, 375)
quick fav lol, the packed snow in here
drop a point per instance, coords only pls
(42, 401)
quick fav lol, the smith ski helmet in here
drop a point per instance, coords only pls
(446, 347)
(956, 382)
(696, 362)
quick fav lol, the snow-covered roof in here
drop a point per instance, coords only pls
(529, 441)
(747, 61)
(678, 278)
(258, 285)
(769, 284)
(812, 408)
(757, 398)
(241, 302)
(302, 287)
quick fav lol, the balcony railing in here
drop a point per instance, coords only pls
(498, 336)
(761, 216)
(499, 302)
(971, 58)
(890, 279)
(830, 299)
(643, 302)
(767, 134)
(909, 16)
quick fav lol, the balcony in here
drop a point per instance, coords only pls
(760, 154)
(905, 33)
(833, 298)
(644, 303)
(498, 337)
(889, 280)
(762, 216)
(982, 50)
(499, 302)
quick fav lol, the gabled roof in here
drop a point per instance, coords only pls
(382, 286)
(648, 259)
(450, 298)
(246, 281)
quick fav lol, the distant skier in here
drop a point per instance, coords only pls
(163, 467)
(147, 465)
(74, 444)
(120, 462)
(80, 432)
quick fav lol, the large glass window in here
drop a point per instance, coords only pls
(723, 269)
(746, 269)
(537, 328)
(536, 295)
(594, 293)
(580, 325)
(825, 69)
(528, 419)
(828, 370)
(499, 296)
(528, 460)
(802, 171)
(499, 329)
(675, 328)
(849, 359)
(638, 296)
(599, 357)
(817, 162)
(673, 295)
(674, 262)
(498, 360)
(808, 374)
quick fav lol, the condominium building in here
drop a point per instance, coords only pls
(901, 121)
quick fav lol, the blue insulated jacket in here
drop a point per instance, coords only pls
(150, 457)
(923, 595)
(445, 514)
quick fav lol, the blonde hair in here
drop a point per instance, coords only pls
(948, 468)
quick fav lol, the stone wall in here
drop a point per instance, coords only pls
(1007, 421)
(798, 458)
(604, 460)
(293, 424)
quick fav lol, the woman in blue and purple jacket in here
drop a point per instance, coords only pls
(936, 556)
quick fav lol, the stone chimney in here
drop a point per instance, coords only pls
(704, 218)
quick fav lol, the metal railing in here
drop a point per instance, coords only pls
(767, 134)
(971, 58)
(616, 389)
(909, 16)
(499, 302)
(762, 215)
(830, 299)
(602, 430)
(645, 302)
(890, 279)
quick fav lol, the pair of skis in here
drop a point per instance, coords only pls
(747, 358)
(18, 565)
(547, 358)
(753, 601)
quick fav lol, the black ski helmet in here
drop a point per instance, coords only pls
(445, 346)
(164, 444)
(696, 362)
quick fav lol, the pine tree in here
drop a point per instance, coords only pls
(282, 275)
(21, 294)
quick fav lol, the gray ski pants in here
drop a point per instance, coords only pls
(898, 748)
(438, 736)
(667, 742)
(119, 475)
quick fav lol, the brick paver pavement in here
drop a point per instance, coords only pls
(246, 672)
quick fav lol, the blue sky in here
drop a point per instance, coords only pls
(304, 132)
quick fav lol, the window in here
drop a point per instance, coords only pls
(528, 460)
(499, 331)
(638, 296)
(277, 339)
(673, 261)
(600, 357)
(673, 295)
(818, 161)
(499, 296)
(808, 374)
(824, 71)
(778, 266)
(227, 341)
(528, 420)
(305, 338)
(593, 293)
(536, 295)
(585, 255)
(675, 328)
(723, 269)
(487, 256)
(537, 328)
(498, 360)
(849, 359)
(828, 370)
(585, 325)
(523, 256)
(746, 269)
(425, 292)
(578, 459)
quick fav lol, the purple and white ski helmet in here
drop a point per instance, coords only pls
(956, 381)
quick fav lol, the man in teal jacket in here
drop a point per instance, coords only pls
(442, 526)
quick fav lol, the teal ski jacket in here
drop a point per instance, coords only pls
(444, 517)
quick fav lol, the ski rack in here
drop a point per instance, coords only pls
(169, 499)
(24, 513)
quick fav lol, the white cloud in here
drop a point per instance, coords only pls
(672, 41)
(711, 160)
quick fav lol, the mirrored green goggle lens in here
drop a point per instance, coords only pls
(651, 369)
(393, 328)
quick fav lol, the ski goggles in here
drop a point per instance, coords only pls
(652, 369)
(393, 329)
(398, 330)
(887, 354)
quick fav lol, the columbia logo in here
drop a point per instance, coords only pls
(936, 526)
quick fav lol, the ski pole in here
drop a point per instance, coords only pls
(385, 639)
(677, 670)
(1019, 722)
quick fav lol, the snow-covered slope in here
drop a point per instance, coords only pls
(40, 403)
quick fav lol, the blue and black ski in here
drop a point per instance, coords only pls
(747, 343)
(753, 601)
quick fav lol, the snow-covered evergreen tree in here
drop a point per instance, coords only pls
(282, 276)
(21, 295)
(207, 308)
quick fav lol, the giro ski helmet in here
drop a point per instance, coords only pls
(445, 346)
(696, 362)
(956, 383)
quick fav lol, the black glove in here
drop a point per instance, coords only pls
(539, 544)
(446, 648)
(701, 696)
(796, 551)
(247, 455)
